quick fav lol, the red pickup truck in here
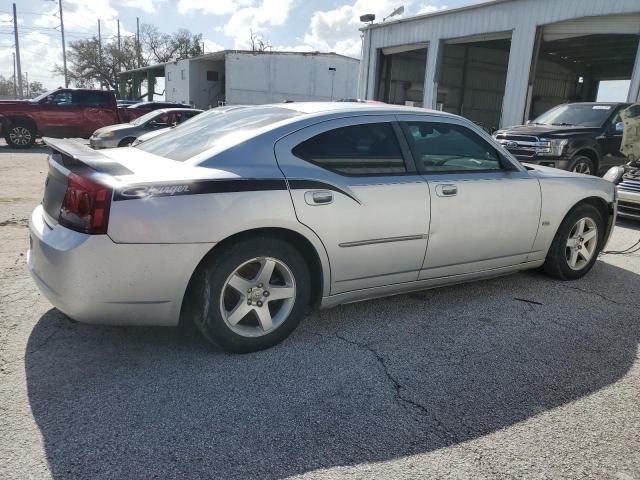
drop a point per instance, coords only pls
(66, 112)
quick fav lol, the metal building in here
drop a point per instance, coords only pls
(503, 62)
(243, 77)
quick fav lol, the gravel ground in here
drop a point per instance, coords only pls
(518, 377)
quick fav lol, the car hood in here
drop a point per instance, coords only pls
(152, 134)
(548, 131)
(115, 128)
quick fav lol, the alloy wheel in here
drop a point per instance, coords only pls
(258, 297)
(582, 167)
(582, 243)
(20, 135)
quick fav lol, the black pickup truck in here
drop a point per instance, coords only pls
(580, 137)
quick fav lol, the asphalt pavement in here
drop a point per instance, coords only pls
(516, 377)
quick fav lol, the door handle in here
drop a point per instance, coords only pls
(446, 190)
(318, 197)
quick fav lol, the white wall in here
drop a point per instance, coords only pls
(271, 78)
(176, 76)
(204, 93)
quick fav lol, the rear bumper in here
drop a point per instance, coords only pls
(94, 280)
(628, 204)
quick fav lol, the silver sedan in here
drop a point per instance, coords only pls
(124, 134)
(242, 219)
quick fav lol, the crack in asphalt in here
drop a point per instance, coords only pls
(600, 295)
(398, 387)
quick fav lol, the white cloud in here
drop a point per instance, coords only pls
(148, 6)
(211, 46)
(428, 8)
(337, 30)
(213, 7)
(256, 17)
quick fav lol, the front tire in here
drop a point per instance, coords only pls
(576, 245)
(251, 295)
(20, 136)
(126, 142)
(582, 164)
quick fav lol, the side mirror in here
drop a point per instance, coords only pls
(528, 122)
(619, 127)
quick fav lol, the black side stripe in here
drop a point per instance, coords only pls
(197, 187)
(303, 184)
(202, 187)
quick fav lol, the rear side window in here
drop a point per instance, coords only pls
(91, 99)
(356, 150)
(443, 148)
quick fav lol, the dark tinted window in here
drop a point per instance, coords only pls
(442, 147)
(91, 99)
(367, 149)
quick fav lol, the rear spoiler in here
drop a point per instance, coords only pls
(74, 152)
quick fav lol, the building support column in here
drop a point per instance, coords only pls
(151, 85)
(634, 87)
(432, 73)
(515, 92)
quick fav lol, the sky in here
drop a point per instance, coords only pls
(306, 25)
(329, 25)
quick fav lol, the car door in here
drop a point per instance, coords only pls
(610, 142)
(485, 209)
(59, 116)
(351, 184)
(97, 110)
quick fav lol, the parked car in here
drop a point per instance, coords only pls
(579, 137)
(124, 134)
(64, 112)
(243, 219)
(149, 106)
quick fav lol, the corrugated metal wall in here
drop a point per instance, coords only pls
(522, 17)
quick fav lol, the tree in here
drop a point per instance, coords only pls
(7, 88)
(160, 47)
(258, 43)
(86, 68)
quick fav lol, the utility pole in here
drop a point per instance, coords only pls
(100, 51)
(17, 54)
(119, 49)
(15, 88)
(64, 48)
(138, 40)
(27, 75)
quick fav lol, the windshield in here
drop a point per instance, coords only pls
(208, 130)
(579, 114)
(146, 117)
(43, 96)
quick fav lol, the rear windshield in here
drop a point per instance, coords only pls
(210, 129)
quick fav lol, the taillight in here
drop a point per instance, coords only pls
(85, 207)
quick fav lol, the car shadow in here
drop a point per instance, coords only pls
(361, 383)
(37, 148)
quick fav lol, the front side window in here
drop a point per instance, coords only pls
(61, 98)
(356, 150)
(91, 99)
(442, 148)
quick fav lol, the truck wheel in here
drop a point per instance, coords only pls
(126, 142)
(582, 164)
(576, 245)
(20, 136)
(250, 296)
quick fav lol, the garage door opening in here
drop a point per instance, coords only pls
(579, 61)
(472, 79)
(401, 75)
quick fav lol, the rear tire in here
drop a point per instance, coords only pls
(251, 295)
(20, 135)
(582, 164)
(576, 245)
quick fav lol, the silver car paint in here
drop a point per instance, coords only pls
(155, 243)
